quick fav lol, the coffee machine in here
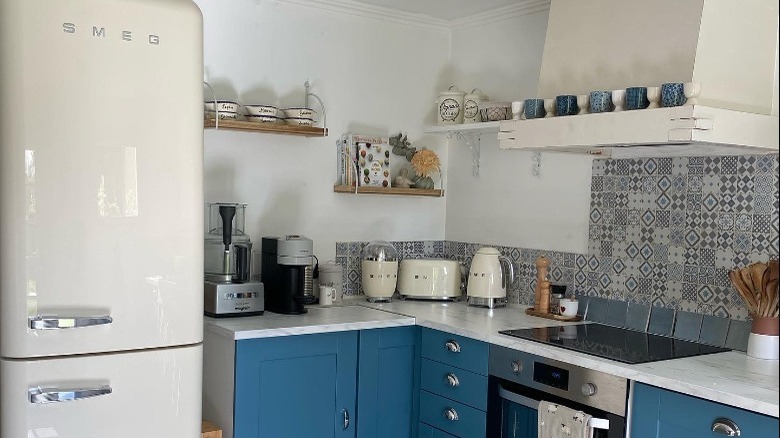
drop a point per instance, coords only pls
(284, 264)
(228, 289)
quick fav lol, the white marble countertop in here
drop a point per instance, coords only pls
(316, 320)
(730, 378)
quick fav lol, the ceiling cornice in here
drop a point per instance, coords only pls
(350, 7)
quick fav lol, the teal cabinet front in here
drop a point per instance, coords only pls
(296, 386)
(388, 382)
(659, 413)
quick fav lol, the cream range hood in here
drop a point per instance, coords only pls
(729, 47)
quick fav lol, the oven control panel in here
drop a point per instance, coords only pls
(592, 388)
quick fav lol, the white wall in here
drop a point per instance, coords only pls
(375, 76)
(506, 204)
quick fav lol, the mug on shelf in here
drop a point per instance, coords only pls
(569, 306)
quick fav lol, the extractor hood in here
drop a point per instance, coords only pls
(729, 47)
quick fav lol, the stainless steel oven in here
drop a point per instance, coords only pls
(519, 380)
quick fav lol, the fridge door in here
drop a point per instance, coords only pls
(154, 393)
(101, 168)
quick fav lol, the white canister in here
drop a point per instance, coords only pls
(332, 274)
(471, 104)
(449, 107)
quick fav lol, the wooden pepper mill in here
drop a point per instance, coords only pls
(542, 291)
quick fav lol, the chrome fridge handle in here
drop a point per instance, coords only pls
(55, 395)
(65, 322)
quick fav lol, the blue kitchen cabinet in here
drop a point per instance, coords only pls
(388, 382)
(296, 386)
(659, 413)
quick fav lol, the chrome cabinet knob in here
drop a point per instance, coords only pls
(450, 414)
(726, 427)
(453, 346)
(517, 367)
(452, 380)
(589, 389)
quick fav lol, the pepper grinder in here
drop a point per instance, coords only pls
(544, 294)
(542, 265)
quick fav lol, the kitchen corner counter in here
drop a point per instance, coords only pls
(731, 378)
(316, 320)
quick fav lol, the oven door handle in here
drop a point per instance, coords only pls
(593, 423)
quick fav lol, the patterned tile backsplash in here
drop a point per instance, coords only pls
(663, 232)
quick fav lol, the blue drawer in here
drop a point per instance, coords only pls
(470, 422)
(454, 383)
(427, 431)
(678, 412)
(458, 351)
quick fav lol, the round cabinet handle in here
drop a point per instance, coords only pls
(450, 414)
(452, 380)
(726, 427)
(453, 346)
(517, 367)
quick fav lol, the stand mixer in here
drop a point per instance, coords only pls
(228, 289)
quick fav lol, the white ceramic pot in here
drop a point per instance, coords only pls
(763, 346)
(449, 107)
(261, 110)
(472, 103)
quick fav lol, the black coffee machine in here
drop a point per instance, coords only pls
(284, 264)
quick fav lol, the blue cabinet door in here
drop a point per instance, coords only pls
(388, 382)
(296, 386)
(659, 413)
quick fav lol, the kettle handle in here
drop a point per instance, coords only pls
(507, 281)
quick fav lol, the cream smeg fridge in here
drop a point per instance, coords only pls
(101, 249)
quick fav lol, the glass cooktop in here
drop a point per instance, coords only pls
(622, 345)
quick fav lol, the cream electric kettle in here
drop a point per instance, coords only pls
(488, 280)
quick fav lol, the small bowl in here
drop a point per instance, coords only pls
(262, 118)
(261, 110)
(298, 121)
(223, 115)
(223, 105)
(298, 113)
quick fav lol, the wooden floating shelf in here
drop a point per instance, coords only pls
(532, 312)
(435, 193)
(271, 128)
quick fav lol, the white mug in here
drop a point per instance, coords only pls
(569, 307)
(327, 293)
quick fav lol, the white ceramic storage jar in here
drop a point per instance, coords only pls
(449, 107)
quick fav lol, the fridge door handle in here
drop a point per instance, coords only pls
(65, 322)
(56, 395)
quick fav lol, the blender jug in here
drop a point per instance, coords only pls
(227, 251)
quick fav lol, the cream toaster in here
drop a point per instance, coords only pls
(429, 279)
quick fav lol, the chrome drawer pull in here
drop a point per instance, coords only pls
(450, 414)
(346, 418)
(66, 322)
(724, 426)
(452, 380)
(453, 346)
(55, 395)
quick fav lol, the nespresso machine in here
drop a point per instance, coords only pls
(284, 264)
(228, 289)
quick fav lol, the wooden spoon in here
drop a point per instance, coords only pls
(771, 309)
(747, 280)
(744, 291)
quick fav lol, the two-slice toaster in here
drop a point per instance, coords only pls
(432, 279)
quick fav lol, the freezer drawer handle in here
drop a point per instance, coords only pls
(54, 395)
(66, 322)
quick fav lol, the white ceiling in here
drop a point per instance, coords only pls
(446, 9)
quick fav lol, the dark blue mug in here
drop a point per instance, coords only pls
(636, 98)
(672, 94)
(600, 101)
(566, 105)
(534, 108)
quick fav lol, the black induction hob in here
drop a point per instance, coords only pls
(622, 345)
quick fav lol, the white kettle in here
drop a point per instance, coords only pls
(488, 280)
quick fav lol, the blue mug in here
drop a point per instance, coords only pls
(636, 98)
(534, 108)
(600, 101)
(566, 105)
(672, 94)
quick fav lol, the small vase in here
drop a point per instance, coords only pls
(763, 339)
(423, 182)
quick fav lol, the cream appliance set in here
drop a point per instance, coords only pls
(380, 271)
(228, 289)
(101, 199)
(432, 279)
(285, 264)
(490, 275)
